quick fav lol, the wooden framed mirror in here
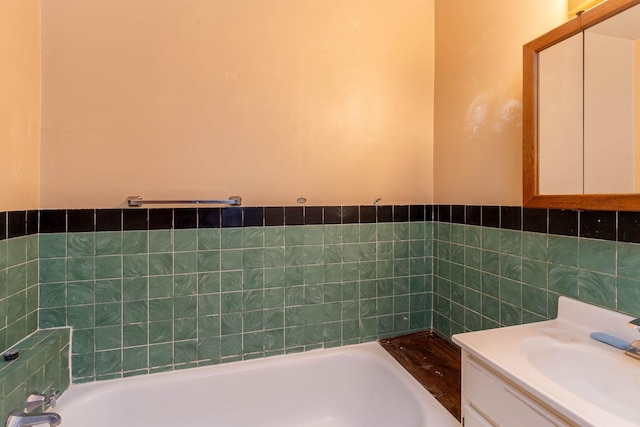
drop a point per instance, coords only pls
(571, 147)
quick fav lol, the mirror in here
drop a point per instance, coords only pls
(582, 112)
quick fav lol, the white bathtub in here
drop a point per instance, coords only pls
(360, 385)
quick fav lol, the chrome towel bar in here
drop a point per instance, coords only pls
(136, 202)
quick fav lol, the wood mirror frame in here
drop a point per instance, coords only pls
(530, 168)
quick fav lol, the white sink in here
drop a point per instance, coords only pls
(590, 372)
(558, 363)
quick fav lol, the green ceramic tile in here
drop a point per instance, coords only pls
(231, 281)
(208, 283)
(253, 279)
(491, 262)
(400, 231)
(332, 273)
(473, 278)
(160, 241)
(52, 295)
(231, 302)
(273, 236)
(597, 288)
(490, 285)
(135, 242)
(160, 354)
(473, 236)
(511, 291)
(490, 238)
(534, 246)
(52, 317)
(534, 299)
(597, 255)
(350, 233)
(511, 267)
(274, 298)
(274, 277)
(208, 326)
(185, 262)
(16, 279)
(534, 273)
(251, 321)
(400, 249)
(231, 323)
(108, 314)
(135, 358)
(160, 286)
(274, 257)
(629, 260)
(107, 243)
(511, 242)
(253, 258)
(108, 266)
(185, 240)
(81, 244)
(384, 232)
(185, 329)
(473, 300)
(135, 288)
(491, 308)
(313, 254)
(160, 309)
(185, 306)
(457, 233)
(135, 265)
(563, 250)
(628, 292)
(231, 260)
(208, 239)
(53, 270)
(253, 237)
(160, 264)
(79, 293)
(108, 338)
(563, 280)
(368, 232)
(16, 251)
(135, 312)
(231, 238)
(161, 332)
(510, 315)
(293, 275)
(52, 245)
(294, 236)
(108, 362)
(185, 284)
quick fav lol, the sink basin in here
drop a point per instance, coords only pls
(593, 373)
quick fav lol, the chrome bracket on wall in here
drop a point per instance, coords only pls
(137, 201)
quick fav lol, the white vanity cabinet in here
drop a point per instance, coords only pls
(489, 399)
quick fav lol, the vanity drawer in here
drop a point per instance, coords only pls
(498, 403)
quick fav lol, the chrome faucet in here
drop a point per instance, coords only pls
(22, 419)
(634, 349)
(40, 400)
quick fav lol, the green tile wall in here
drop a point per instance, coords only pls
(18, 289)
(488, 277)
(43, 364)
(149, 301)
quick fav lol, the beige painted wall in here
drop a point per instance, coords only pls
(19, 104)
(478, 96)
(331, 100)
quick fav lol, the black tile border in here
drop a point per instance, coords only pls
(3, 225)
(622, 226)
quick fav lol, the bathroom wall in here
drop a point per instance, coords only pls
(329, 100)
(19, 104)
(503, 266)
(161, 289)
(478, 96)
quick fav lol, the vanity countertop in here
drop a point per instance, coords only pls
(558, 363)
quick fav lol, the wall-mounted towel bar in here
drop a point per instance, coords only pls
(136, 202)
